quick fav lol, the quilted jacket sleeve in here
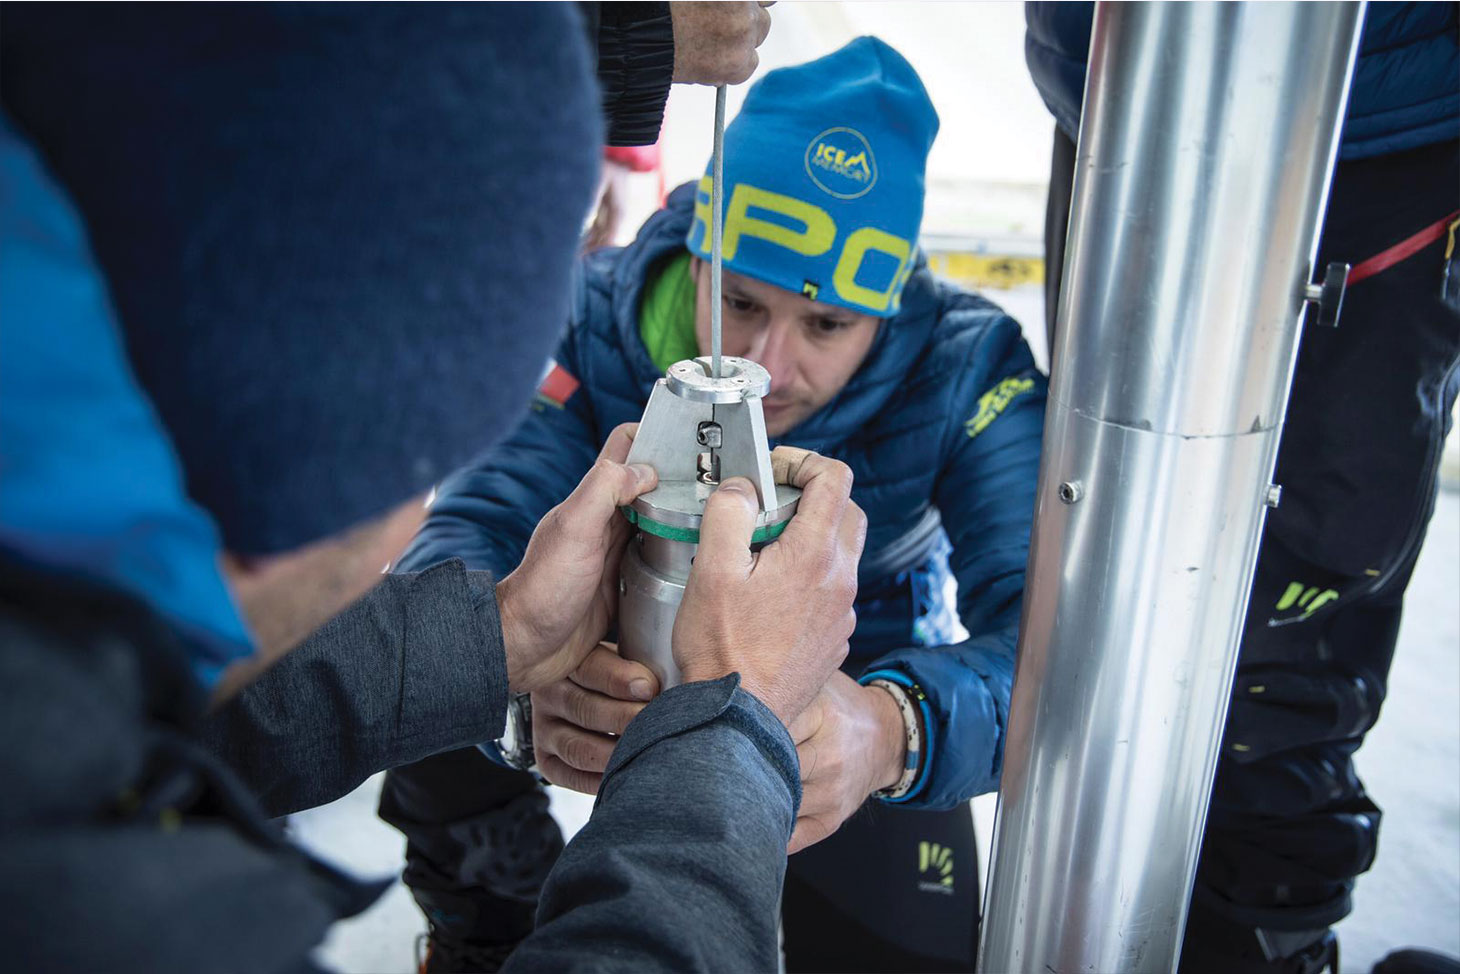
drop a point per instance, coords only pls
(985, 494)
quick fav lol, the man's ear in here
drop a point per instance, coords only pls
(695, 263)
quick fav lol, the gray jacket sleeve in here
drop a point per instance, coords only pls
(413, 668)
(680, 867)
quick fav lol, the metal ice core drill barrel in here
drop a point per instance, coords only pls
(697, 431)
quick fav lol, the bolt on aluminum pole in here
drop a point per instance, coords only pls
(1206, 146)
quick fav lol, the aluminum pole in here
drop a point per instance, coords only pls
(1208, 138)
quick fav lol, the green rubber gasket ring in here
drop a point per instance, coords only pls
(648, 525)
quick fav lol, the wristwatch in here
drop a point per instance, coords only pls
(514, 747)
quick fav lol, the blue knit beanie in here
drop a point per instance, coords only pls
(824, 178)
(339, 240)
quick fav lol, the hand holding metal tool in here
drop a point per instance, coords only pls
(780, 618)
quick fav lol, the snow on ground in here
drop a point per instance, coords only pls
(1411, 765)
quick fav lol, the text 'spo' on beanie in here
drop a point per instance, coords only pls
(339, 238)
(824, 171)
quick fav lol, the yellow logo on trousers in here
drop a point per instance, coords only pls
(935, 861)
(1308, 598)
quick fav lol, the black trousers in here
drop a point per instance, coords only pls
(893, 890)
(1290, 825)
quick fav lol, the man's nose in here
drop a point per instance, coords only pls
(771, 349)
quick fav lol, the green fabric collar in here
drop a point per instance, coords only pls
(667, 316)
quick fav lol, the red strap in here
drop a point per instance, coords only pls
(1401, 251)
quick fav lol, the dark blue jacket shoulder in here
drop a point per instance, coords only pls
(1406, 86)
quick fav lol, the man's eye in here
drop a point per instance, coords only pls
(827, 326)
(738, 304)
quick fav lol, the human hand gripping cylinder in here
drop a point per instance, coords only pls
(697, 431)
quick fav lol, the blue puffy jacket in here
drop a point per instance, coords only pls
(1406, 87)
(941, 426)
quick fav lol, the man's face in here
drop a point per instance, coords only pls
(810, 349)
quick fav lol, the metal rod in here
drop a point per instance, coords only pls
(717, 229)
(1207, 140)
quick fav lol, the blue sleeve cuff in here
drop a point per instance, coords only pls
(494, 754)
(929, 729)
(684, 708)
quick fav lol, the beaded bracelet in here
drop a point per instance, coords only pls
(913, 727)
